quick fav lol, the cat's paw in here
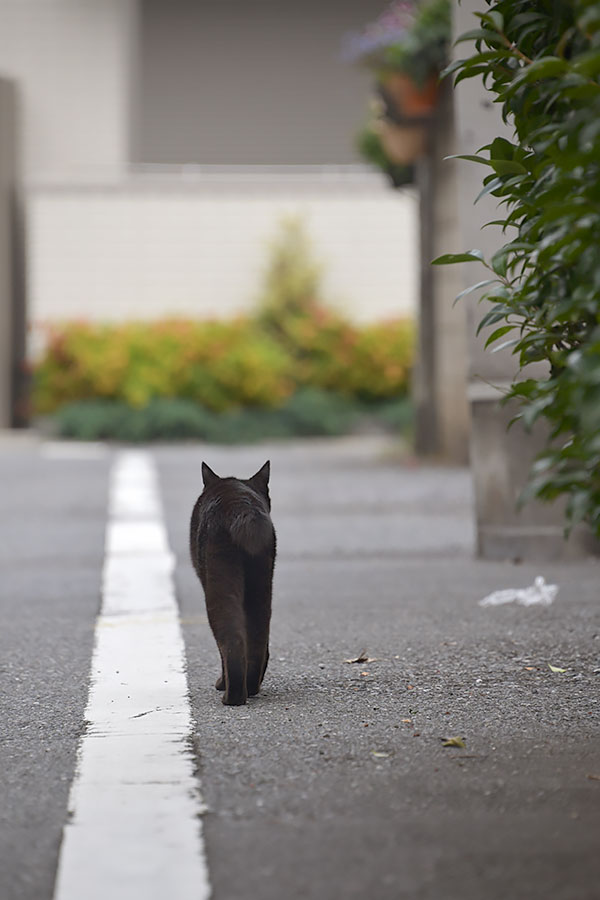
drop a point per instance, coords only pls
(234, 700)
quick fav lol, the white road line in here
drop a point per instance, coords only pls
(135, 830)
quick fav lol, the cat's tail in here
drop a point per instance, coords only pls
(252, 530)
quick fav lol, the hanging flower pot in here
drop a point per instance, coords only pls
(406, 48)
(403, 144)
(408, 98)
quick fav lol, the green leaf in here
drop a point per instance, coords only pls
(589, 21)
(500, 148)
(500, 166)
(578, 507)
(587, 63)
(555, 668)
(469, 73)
(490, 318)
(470, 157)
(449, 258)
(499, 262)
(488, 189)
(525, 18)
(494, 18)
(507, 167)
(545, 67)
(498, 334)
(475, 287)
(480, 34)
(452, 67)
(512, 343)
(502, 222)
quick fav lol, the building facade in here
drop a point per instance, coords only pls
(162, 141)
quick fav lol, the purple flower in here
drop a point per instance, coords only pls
(389, 28)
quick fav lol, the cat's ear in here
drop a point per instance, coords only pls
(208, 476)
(261, 479)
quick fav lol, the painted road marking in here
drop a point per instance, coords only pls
(135, 831)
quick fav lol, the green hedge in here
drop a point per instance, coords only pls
(294, 366)
(222, 366)
(309, 412)
(216, 364)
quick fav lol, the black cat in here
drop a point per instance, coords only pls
(232, 544)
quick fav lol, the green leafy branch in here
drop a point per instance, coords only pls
(541, 60)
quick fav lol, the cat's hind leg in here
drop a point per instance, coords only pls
(257, 604)
(233, 649)
(224, 593)
(220, 682)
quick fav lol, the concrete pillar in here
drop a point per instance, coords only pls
(440, 383)
(453, 416)
(8, 162)
(500, 458)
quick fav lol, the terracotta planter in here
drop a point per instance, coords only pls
(403, 144)
(409, 99)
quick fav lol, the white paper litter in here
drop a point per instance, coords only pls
(538, 593)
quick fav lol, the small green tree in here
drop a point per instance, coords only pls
(291, 282)
(541, 60)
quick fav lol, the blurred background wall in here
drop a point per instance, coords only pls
(74, 66)
(163, 142)
(248, 82)
(197, 246)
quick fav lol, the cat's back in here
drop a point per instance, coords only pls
(232, 514)
(218, 505)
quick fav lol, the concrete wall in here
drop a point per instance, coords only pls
(196, 246)
(244, 82)
(72, 60)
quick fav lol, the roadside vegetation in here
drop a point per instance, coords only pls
(293, 367)
(541, 61)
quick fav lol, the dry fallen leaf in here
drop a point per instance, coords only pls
(453, 742)
(530, 668)
(594, 777)
(379, 754)
(361, 658)
(408, 721)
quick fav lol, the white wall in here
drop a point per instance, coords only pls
(72, 62)
(160, 247)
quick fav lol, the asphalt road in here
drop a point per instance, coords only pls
(52, 518)
(334, 782)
